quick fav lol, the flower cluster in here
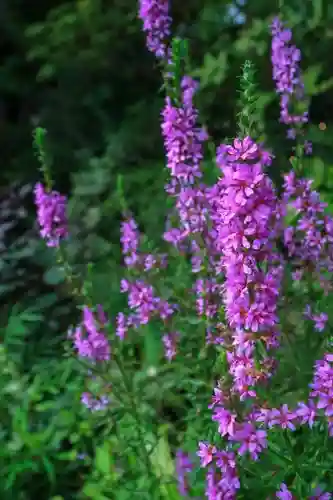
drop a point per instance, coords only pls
(222, 477)
(286, 73)
(319, 320)
(183, 467)
(90, 339)
(130, 240)
(322, 388)
(208, 293)
(170, 344)
(93, 403)
(51, 215)
(183, 138)
(156, 23)
(144, 303)
(247, 222)
(310, 242)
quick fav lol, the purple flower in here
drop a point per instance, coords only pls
(221, 485)
(283, 417)
(130, 241)
(51, 215)
(176, 237)
(183, 467)
(192, 209)
(322, 387)
(89, 340)
(206, 453)
(320, 321)
(122, 326)
(263, 415)
(94, 404)
(247, 212)
(286, 73)
(284, 493)
(291, 133)
(307, 413)
(156, 23)
(141, 299)
(307, 147)
(319, 494)
(226, 461)
(251, 440)
(297, 274)
(326, 402)
(242, 368)
(182, 137)
(213, 335)
(208, 297)
(226, 420)
(219, 398)
(241, 151)
(247, 220)
(170, 345)
(309, 244)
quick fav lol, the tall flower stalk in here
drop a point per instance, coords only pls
(156, 24)
(231, 232)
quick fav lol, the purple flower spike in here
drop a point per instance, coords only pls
(51, 215)
(89, 340)
(183, 467)
(286, 73)
(156, 23)
(94, 404)
(183, 138)
(322, 389)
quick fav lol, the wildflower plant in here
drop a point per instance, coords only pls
(237, 298)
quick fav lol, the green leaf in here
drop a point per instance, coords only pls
(49, 467)
(163, 465)
(161, 456)
(213, 70)
(98, 246)
(93, 490)
(311, 77)
(153, 349)
(46, 72)
(54, 276)
(15, 327)
(91, 182)
(31, 316)
(103, 459)
(317, 13)
(318, 171)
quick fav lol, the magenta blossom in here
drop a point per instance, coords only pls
(284, 493)
(156, 23)
(207, 453)
(51, 215)
(251, 440)
(89, 338)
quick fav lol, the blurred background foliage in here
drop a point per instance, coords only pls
(81, 70)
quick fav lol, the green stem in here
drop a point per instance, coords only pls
(132, 402)
(69, 275)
